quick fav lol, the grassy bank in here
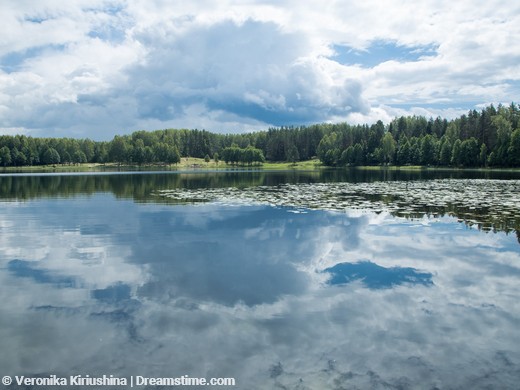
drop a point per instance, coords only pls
(191, 163)
(186, 163)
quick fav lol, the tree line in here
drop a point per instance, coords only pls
(490, 137)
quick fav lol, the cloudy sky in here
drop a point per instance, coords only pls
(95, 68)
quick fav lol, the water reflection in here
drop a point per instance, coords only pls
(490, 205)
(374, 276)
(240, 291)
(140, 185)
(23, 269)
(372, 189)
(112, 294)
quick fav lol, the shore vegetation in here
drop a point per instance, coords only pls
(479, 139)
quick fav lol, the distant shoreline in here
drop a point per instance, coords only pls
(198, 164)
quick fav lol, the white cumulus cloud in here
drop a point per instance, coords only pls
(97, 68)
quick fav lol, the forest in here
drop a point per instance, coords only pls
(486, 138)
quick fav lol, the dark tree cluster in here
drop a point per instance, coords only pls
(21, 150)
(490, 137)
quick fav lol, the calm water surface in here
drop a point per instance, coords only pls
(100, 275)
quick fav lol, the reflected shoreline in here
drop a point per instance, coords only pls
(144, 186)
(104, 275)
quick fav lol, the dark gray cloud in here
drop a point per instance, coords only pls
(251, 69)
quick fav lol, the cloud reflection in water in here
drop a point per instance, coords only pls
(214, 290)
(374, 276)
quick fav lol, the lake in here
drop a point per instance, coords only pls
(294, 280)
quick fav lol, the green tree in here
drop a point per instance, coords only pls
(358, 157)
(79, 157)
(174, 156)
(138, 153)
(18, 158)
(259, 156)
(388, 148)
(31, 151)
(445, 153)
(100, 152)
(514, 148)
(379, 157)
(439, 127)
(469, 152)
(207, 159)
(375, 134)
(456, 156)
(403, 153)
(415, 151)
(149, 156)
(230, 155)
(428, 152)
(328, 151)
(346, 156)
(88, 147)
(482, 159)
(251, 155)
(503, 129)
(51, 156)
(452, 132)
(160, 151)
(291, 154)
(118, 150)
(5, 156)
(65, 157)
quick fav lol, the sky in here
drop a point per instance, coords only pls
(96, 68)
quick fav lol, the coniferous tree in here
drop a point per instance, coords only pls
(403, 154)
(482, 155)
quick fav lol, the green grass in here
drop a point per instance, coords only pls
(390, 167)
(300, 165)
(52, 168)
(185, 163)
(199, 163)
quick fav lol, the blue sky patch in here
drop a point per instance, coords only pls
(108, 33)
(375, 276)
(36, 19)
(277, 117)
(24, 269)
(112, 9)
(11, 62)
(459, 105)
(381, 51)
